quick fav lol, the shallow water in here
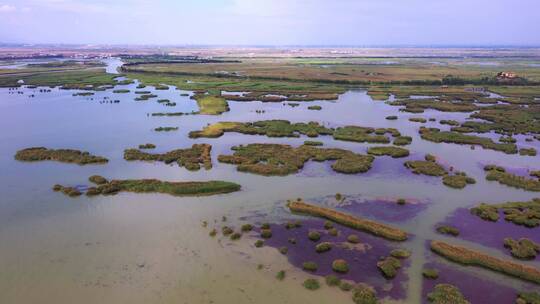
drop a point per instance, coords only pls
(152, 248)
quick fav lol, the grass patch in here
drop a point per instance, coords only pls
(61, 155)
(394, 152)
(435, 135)
(499, 174)
(190, 158)
(211, 105)
(523, 248)
(446, 294)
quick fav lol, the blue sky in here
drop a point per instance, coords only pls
(272, 22)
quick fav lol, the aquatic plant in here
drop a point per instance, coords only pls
(311, 284)
(280, 275)
(340, 266)
(523, 248)
(389, 266)
(121, 91)
(314, 236)
(246, 227)
(61, 155)
(313, 143)
(430, 273)
(211, 105)
(332, 280)
(391, 117)
(283, 250)
(147, 146)
(520, 213)
(310, 266)
(236, 236)
(528, 298)
(500, 175)
(458, 180)
(280, 160)
(318, 108)
(323, 247)
(418, 119)
(190, 158)
(266, 233)
(333, 231)
(226, 230)
(259, 243)
(364, 294)
(165, 129)
(364, 134)
(69, 191)
(435, 135)
(445, 229)
(471, 257)
(401, 201)
(527, 151)
(394, 152)
(212, 232)
(345, 286)
(97, 179)
(353, 239)
(400, 253)
(370, 226)
(446, 294)
(425, 167)
(328, 225)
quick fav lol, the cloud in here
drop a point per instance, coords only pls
(6, 8)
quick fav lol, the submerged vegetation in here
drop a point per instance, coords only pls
(276, 159)
(375, 228)
(470, 257)
(61, 155)
(190, 158)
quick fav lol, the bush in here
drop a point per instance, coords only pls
(340, 266)
(345, 286)
(430, 273)
(332, 280)
(236, 236)
(323, 247)
(247, 227)
(314, 236)
(280, 275)
(311, 284)
(310, 266)
(266, 233)
(259, 243)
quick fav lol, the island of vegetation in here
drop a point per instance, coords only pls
(61, 155)
(499, 174)
(375, 228)
(276, 159)
(190, 158)
(520, 213)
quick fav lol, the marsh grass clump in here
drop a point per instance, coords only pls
(499, 174)
(445, 229)
(527, 151)
(120, 91)
(389, 266)
(236, 236)
(313, 143)
(340, 266)
(446, 294)
(69, 191)
(265, 226)
(364, 294)
(266, 233)
(430, 273)
(310, 266)
(246, 228)
(212, 232)
(370, 226)
(528, 298)
(328, 225)
(173, 188)
(402, 140)
(98, 180)
(323, 247)
(333, 232)
(520, 213)
(259, 243)
(449, 122)
(291, 241)
(425, 167)
(226, 230)
(280, 275)
(394, 152)
(190, 158)
(418, 119)
(332, 280)
(353, 239)
(147, 146)
(391, 117)
(166, 129)
(311, 284)
(61, 155)
(401, 201)
(145, 97)
(458, 181)
(400, 253)
(211, 105)
(435, 135)
(280, 160)
(345, 286)
(523, 248)
(283, 250)
(317, 108)
(365, 134)
(314, 236)
(471, 257)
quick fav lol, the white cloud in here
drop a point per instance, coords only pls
(6, 8)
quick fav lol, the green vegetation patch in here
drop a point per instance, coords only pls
(165, 129)
(147, 146)
(317, 108)
(364, 294)
(445, 229)
(276, 159)
(528, 298)
(389, 266)
(471, 257)
(312, 284)
(499, 174)
(458, 181)
(430, 273)
(523, 248)
(394, 152)
(520, 213)
(365, 134)
(435, 135)
(446, 294)
(61, 155)
(375, 228)
(211, 105)
(190, 158)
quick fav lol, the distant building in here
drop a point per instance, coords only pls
(506, 75)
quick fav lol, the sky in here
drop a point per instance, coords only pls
(272, 22)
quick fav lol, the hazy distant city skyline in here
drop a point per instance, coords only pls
(272, 22)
